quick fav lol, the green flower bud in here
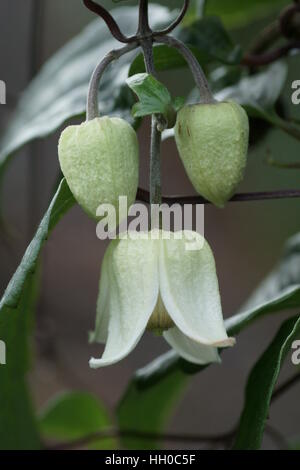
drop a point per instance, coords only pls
(100, 161)
(212, 141)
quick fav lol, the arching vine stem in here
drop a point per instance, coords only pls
(92, 108)
(206, 96)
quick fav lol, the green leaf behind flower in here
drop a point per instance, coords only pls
(260, 386)
(210, 37)
(18, 429)
(154, 404)
(259, 93)
(76, 415)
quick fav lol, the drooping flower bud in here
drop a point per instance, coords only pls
(212, 141)
(100, 161)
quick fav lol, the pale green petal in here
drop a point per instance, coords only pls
(100, 161)
(132, 295)
(190, 291)
(189, 349)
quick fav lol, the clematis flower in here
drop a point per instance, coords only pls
(159, 282)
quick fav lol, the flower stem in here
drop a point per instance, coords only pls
(206, 96)
(143, 18)
(155, 150)
(92, 109)
(155, 163)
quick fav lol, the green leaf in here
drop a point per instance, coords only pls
(279, 291)
(209, 36)
(154, 98)
(178, 103)
(260, 386)
(59, 91)
(60, 204)
(166, 58)
(18, 429)
(154, 404)
(74, 415)
(235, 13)
(153, 95)
(260, 92)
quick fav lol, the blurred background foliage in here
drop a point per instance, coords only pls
(247, 240)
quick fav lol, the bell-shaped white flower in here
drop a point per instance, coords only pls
(155, 280)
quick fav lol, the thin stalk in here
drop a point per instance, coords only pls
(117, 433)
(176, 22)
(144, 27)
(143, 196)
(155, 163)
(92, 109)
(266, 38)
(155, 149)
(110, 22)
(206, 96)
(270, 57)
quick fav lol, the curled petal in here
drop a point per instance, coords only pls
(189, 349)
(132, 283)
(102, 317)
(190, 291)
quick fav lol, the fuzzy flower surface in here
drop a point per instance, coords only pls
(163, 282)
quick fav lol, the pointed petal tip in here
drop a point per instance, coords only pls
(98, 363)
(94, 363)
(226, 343)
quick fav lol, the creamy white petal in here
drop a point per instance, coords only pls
(132, 295)
(190, 291)
(189, 349)
(102, 314)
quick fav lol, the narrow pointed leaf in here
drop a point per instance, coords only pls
(153, 404)
(209, 36)
(18, 429)
(61, 203)
(76, 415)
(260, 387)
